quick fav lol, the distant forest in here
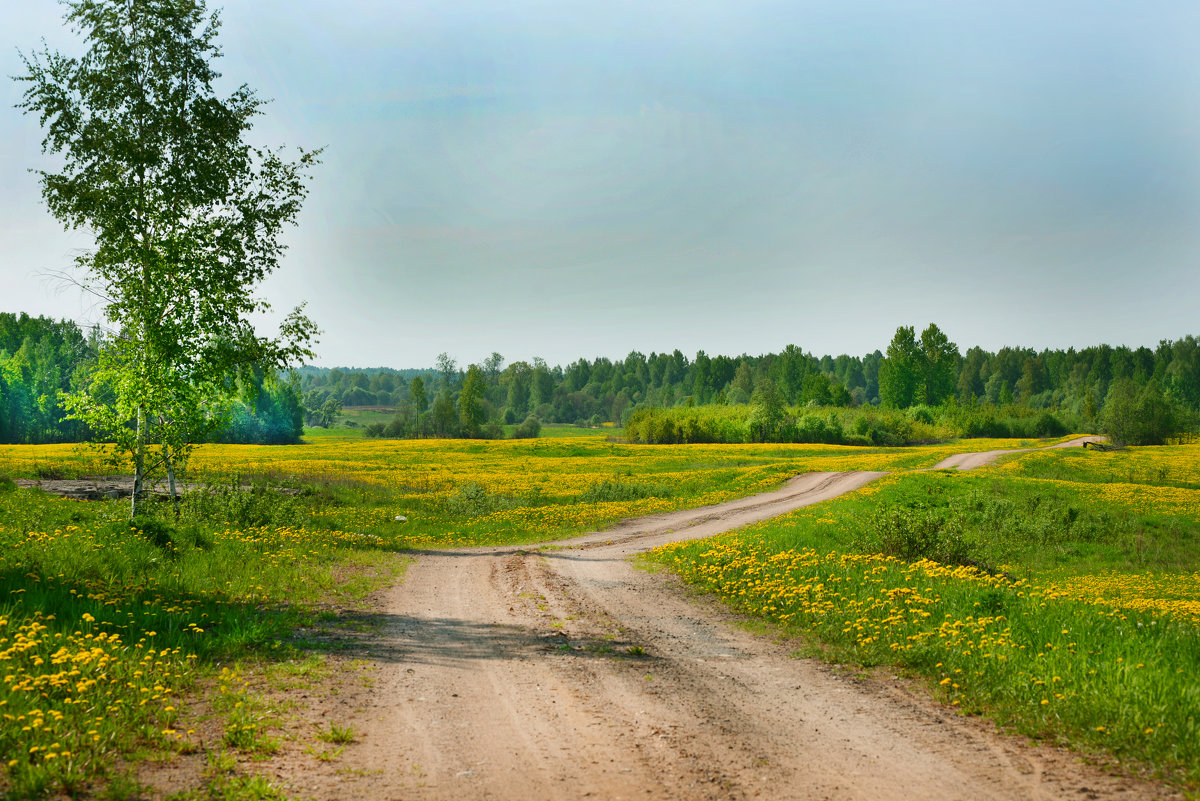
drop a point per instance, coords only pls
(41, 358)
(922, 387)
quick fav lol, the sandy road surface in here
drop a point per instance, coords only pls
(565, 673)
(967, 461)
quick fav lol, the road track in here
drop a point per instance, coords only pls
(566, 673)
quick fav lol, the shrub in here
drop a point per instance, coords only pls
(617, 490)
(921, 414)
(1131, 417)
(913, 534)
(472, 500)
(529, 429)
(260, 504)
(1047, 425)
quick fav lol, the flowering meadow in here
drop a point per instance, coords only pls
(106, 628)
(1070, 610)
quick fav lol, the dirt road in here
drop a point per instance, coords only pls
(967, 461)
(565, 673)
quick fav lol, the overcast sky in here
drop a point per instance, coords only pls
(564, 179)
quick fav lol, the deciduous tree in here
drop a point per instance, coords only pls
(187, 217)
(900, 374)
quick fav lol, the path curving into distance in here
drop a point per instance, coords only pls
(565, 673)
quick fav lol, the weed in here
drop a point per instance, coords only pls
(246, 788)
(123, 787)
(338, 734)
(325, 754)
(220, 762)
(610, 490)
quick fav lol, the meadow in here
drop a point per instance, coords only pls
(108, 631)
(1064, 607)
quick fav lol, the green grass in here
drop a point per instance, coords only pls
(1176, 466)
(104, 632)
(1066, 614)
(338, 735)
(107, 630)
(363, 417)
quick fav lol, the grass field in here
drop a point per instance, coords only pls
(1070, 609)
(363, 416)
(106, 631)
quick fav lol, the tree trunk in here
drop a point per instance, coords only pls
(139, 463)
(171, 479)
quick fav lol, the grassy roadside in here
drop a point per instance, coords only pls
(106, 630)
(1062, 611)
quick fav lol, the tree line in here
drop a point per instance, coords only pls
(1009, 392)
(43, 360)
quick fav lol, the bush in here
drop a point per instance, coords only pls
(260, 504)
(472, 500)
(921, 414)
(1131, 417)
(913, 534)
(760, 422)
(1047, 425)
(617, 490)
(529, 429)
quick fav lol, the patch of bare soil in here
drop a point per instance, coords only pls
(564, 673)
(99, 488)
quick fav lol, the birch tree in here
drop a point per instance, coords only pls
(187, 218)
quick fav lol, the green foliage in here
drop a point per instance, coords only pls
(939, 366)
(528, 429)
(416, 393)
(1137, 417)
(470, 409)
(617, 490)
(187, 219)
(338, 735)
(900, 373)
(915, 371)
(473, 500)
(39, 359)
(766, 415)
(268, 410)
(756, 423)
(259, 504)
(913, 534)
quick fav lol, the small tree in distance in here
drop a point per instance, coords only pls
(471, 415)
(1137, 417)
(187, 219)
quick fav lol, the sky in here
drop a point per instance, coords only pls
(567, 180)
